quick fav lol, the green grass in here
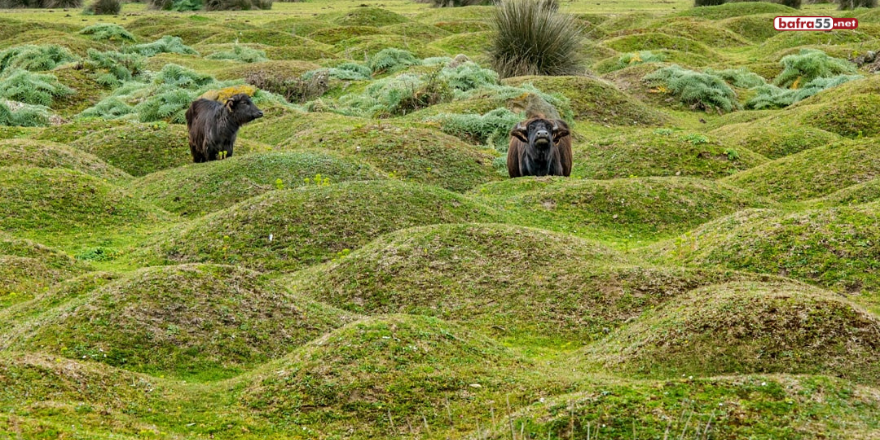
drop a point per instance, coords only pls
(775, 137)
(29, 267)
(48, 154)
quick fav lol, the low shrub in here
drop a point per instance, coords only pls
(104, 7)
(697, 89)
(166, 44)
(770, 96)
(31, 88)
(243, 54)
(808, 65)
(108, 32)
(35, 58)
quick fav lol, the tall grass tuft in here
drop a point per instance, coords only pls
(852, 4)
(532, 38)
(104, 7)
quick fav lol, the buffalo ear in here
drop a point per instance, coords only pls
(560, 130)
(520, 132)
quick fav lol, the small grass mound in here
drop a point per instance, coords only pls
(813, 173)
(703, 31)
(526, 286)
(390, 372)
(286, 230)
(414, 154)
(737, 9)
(473, 45)
(61, 206)
(595, 100)
(195, 189)
(27, 268)
(659, 152)
(835, 247)
(657, 41)
(774, 137)
(788, 40)
(87, 91)
(370, 17)
(774, 406)
(275, 69)
(261, 36)
(748, 328)
(422, 32)
(48, 154)
(858, 194)
(78, 128)
(464, 26)
(139, 149)
(645, 208)
(854, 117)
(335, 35)
(750, 27)
(242, 320)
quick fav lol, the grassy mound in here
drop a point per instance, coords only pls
(78, 128)
(274, 69)
(370, 17)
(421, 32)
(868, 85)
(751, 27)
(774, 137)
(658, 41)
(748, 328)
(415, 154)
(297, 26)
(813, 173)
(66, 207)
(700, 30)
(595, 100)
(389, 372)
(788, 40)
(197, 322)
(140, 149)
(464, 26)
(195, 189)
(643, 208)
(835, 247)
(474, 45)
(854, 117)
(47, 154)
(852, 195)
(87, 92)
(737, 10)
(335, 35)
(26, 268)
(777, 406)
(527, 286)
(659, 152)
(368, 46)
(286, 230)
(260, 36)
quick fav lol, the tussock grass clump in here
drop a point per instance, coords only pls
(108, 32)
(166, 44)
(813, 173)
(294, 90)
(31, 88)
(311, 224)
(391, 60)
(104, 7)
(740, 77)
(765, 328)
(770, 96)
(491, 129)
(111, 68)
(47, 154)
(237, 5)
(702, 91)
(177, 5)
(532, 39)
(24, 115)
(35, 58)
(240, 53)
(809, 64)
(853, 4)
(127, 324)
(456, 3)
(709, 2)
(194, 190)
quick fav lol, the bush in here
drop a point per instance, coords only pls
(770, 96)
(808, 65)
(176, 5)
(741, 77)
(345, 72)
(698, 3)
(699, 90)
(852, 4)
(31, 88)
(25, 116)
(35, 58)
(166, 44)
(296, 90)
(104, 7)
(391, 60)
(40, 4)
(532, 39)
(491, 129)
(108, 32)
(111, 67)
(634, 58)
(237, 5)
(456, 3)
(240, 53)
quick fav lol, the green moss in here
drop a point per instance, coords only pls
(857, 194)
(363, 47)
(751, 27)
(635, 208)
(854, 117)
(476, 13)
(474, 45)
(775, 136)
(139, 149)
(369, 17)
(27, 268)
(766, 328)
(261, 36)
(47, 154)
(297, 26)
(274, 69)
(737, 9)
(835, 247)
(289, 229)
(87, 92)
(659, 152)
(73, 130)
(421, 32)
(197, 189)
(657, 41)
(812, 173)
(699, 30)
(336, 34)
(787, 40)
(464, 26)
(526, 287)
(243, 320)
(595, 100)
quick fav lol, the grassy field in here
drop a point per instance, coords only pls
(362, 267)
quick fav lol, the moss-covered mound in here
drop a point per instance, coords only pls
(419, 31)
(659, 152)
(370, 45)
(751, 27)
(412, 154)
(261, 36)
(658, 41)
(369, 17)
(700, 30)
(475, 13)
(834, 247)
(77, 128)
(139, 149)
(190, 34)
(27, 268)
(736, 10)
(197, 189)
(748, 328)
(853, 117)
(390, 372)
(527, 286)
(473, 44)
(297, 26)
(274, 69)
(788, 40)
(813, 173)
(87, 91)
(47, 154)
(193, 321)
(852, 195)
(775, 137)
(869, 85)
(755, 406)
(595, 100)
(335, 35)
(647, 207)
(464, 26)
(288, 229)
(64, 207)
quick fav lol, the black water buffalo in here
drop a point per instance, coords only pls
(540, 147)
(213, 125)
